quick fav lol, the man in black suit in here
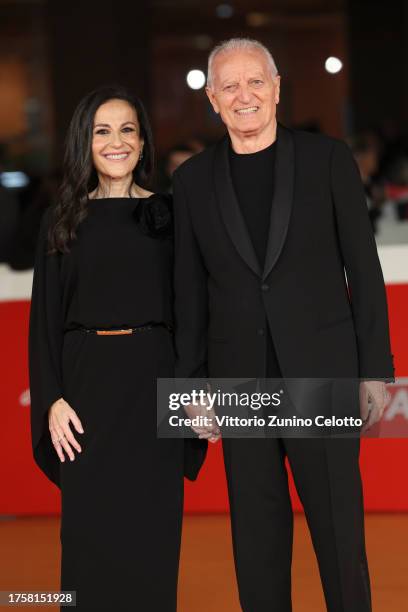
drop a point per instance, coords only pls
(277, 274)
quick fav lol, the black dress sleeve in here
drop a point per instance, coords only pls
(45, 350)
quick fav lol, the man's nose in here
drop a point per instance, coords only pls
(244, 95)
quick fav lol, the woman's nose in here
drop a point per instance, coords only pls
(116, 139)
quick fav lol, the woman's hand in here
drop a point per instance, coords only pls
(59, 416)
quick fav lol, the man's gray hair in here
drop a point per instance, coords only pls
(238, 44)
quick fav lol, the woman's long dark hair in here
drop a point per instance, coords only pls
(79, 174)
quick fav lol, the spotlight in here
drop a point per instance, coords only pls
(14, 180)
(195, 79)
(333, 65)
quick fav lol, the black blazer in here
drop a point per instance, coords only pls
(320, 233)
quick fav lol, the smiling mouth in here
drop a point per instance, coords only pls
(116, 156)
(247, 111)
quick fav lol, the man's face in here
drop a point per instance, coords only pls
(244, 92)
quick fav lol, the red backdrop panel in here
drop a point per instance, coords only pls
(24, 490)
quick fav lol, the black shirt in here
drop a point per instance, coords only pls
(253, 180)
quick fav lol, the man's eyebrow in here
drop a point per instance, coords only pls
(231, 81)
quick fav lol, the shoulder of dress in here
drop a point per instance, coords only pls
(154, 215)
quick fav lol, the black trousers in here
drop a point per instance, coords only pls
(327, 478)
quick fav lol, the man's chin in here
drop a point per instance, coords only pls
(247, 130)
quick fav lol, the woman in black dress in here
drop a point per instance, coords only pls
(99, 337)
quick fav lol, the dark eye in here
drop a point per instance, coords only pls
(128, 129)
(101, 131)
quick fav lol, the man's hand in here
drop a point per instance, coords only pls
(210, 432)
(373, 399)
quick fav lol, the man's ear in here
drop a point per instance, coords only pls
(276, 81)
(212, 99)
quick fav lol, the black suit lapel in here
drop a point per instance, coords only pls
(282, 197)
(230, 209)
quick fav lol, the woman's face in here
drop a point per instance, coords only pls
(116, 143)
